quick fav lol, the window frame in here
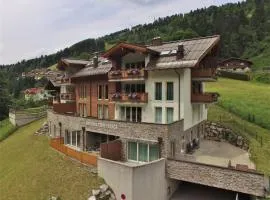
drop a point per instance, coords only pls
(161, 120)
(167, 91)
(158, 95)
(167, 108)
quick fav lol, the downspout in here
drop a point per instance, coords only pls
(179, 105)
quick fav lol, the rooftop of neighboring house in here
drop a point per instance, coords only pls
(234, 61)
(33, 91)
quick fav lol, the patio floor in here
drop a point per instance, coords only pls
(220, 153)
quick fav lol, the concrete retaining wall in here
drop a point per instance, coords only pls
(137, 181)
(219, 177)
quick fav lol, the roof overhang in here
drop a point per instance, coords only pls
(123, 48)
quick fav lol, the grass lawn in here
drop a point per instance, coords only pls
(30, 169)
(259, 154)
(5, 129)
(243, 98)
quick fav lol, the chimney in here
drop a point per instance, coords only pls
(180, 51)
(95, 60)
(156, 41)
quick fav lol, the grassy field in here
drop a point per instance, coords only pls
(244, 98)
(5, 129)
(259, 137)
(30, 169)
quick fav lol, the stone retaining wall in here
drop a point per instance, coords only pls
(220, 177)
(218, 132)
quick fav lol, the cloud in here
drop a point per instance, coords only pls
(29, 28)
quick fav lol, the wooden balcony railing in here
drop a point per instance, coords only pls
(203, 73)
(131, 97)
(127, 74)
(65, 81)
(207, 97)
(67, 96)
(63, 108)
(111, 150)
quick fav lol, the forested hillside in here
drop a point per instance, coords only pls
(244, 27)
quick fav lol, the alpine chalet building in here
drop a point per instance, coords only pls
(137, 112)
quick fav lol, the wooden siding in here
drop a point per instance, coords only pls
(83, 157)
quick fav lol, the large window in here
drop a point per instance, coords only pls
(158, 114)
(169, 91)
(130, 88)
(142, 152)
(133, 114)
(73, 138)
(158, 91)
(103, 91)
(106, 112)
(100, 111)
(169, 117)
(100, 92)
(83, 91)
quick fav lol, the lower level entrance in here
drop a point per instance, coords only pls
(190, 191)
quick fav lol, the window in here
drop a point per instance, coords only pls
(170, 91)
(169, 115)
(158, 115)
(73, 138)
(153, 152)
(100, 112)
(83, 91)
(106, 112)
(132, 114)
(100, 92)
(106, 92)
(158, 91)
(142, 152)
(129, 88)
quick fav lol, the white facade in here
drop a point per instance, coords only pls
(181, 105)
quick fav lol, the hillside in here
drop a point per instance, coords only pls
(30, 169)
(244, 28)
(245, 99)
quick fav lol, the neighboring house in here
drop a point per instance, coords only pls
(35, 94)
(140, 111)
(235, 65)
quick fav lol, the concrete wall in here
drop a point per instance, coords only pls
(137, 181)
(21, 118)
(219, 177)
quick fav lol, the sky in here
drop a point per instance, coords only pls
(30, 28)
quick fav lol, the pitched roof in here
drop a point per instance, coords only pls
(118, 49)
(194, 51)
(238, 59)
(75, 62)
(103, 68)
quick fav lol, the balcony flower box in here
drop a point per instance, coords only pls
(133, 72)
(116, 96)
(116, 73)
(133, 96)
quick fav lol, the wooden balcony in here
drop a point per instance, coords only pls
(127, 75)
(204, 74)
(131, 97)
(64, 108)
(65, 81)
(67, 96)
(207, 97)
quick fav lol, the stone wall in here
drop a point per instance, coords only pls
(219, 177)
(216, 131)
(22, 118)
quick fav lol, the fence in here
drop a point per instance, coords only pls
(83, 157)
(240, 128)
(111, 150)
